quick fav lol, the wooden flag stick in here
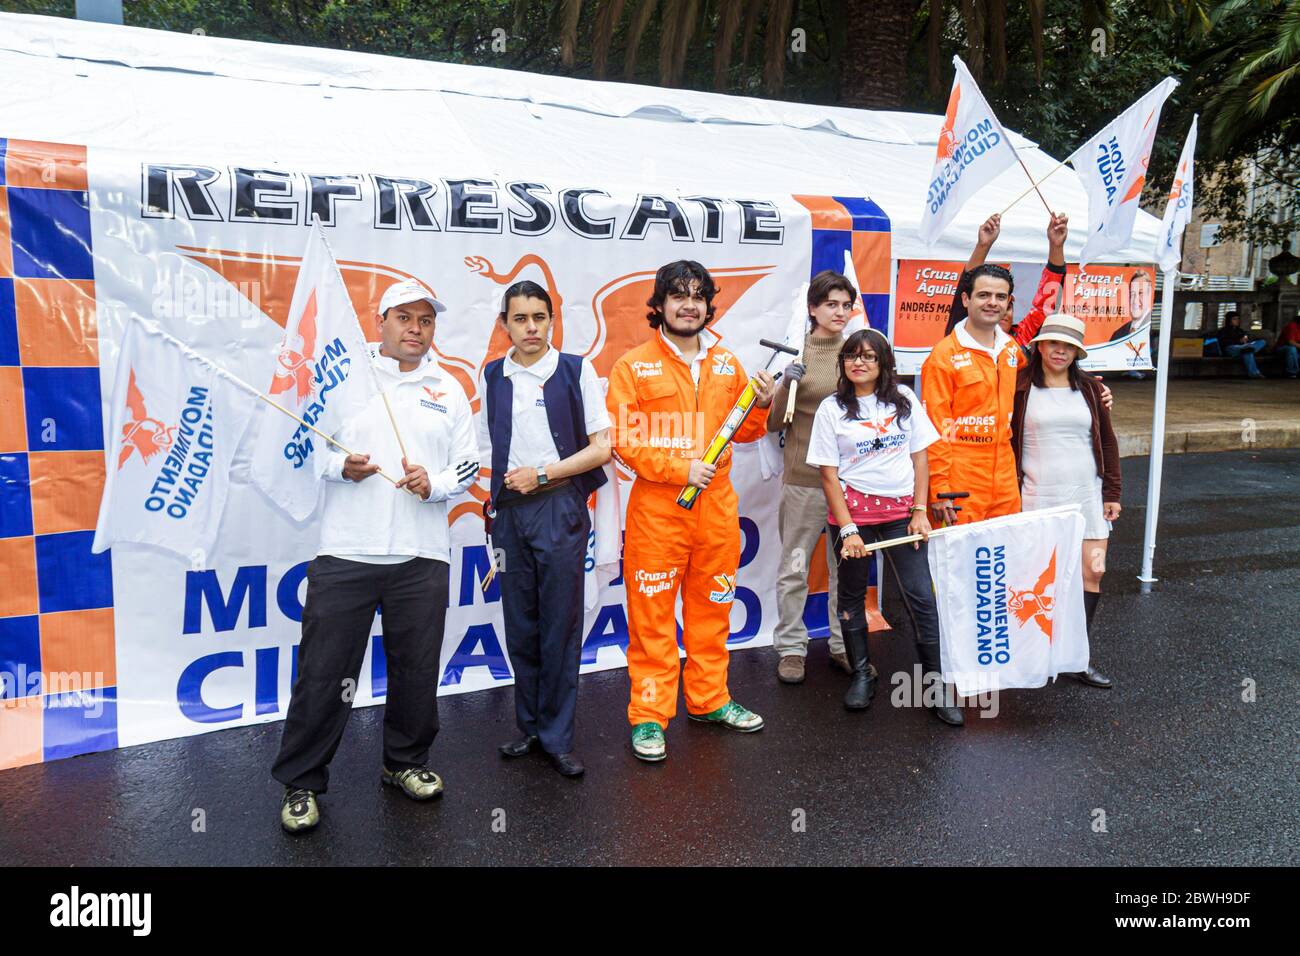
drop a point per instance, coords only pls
(907, 539)
(1033, 187)
(794, 392)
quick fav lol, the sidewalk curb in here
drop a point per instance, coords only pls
(1215, 437)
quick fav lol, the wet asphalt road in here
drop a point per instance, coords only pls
(1186, 772)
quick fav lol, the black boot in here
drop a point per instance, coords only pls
(1092, 677)
(931, 673)
(862, 685)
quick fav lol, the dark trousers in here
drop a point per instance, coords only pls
(912, 572)
(336, 621)
(542, 548)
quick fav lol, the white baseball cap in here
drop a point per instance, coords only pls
(406, 292)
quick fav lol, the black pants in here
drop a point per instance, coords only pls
(543, 546)
(336, 620)
(912, 572)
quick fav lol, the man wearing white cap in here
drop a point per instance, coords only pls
(386, 546)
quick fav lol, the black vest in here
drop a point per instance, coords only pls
(564, 412)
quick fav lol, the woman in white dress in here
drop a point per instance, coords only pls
(1065, 448)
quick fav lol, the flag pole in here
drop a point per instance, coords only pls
(1158, 432)
(249, 388)
(1033, 187)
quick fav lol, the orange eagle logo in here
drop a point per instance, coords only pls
(142, 434)
(1036, 603)
(295, 366)
(882, 428)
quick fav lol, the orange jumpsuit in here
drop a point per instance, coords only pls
(968, 398)
(662, 421)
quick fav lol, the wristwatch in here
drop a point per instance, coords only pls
(541, 476)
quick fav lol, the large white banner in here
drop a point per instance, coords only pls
(212, 251)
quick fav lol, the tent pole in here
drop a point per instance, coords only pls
(1158, 432)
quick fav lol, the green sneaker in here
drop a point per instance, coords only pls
(732, 715)
(298, 810)
(648, 741)
(418, 783)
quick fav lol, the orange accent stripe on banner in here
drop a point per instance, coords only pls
(56, 322)
(45, 165)
(13, 411)
(66, 486)
(18, 571)
(78, 651)
(22, 730)
(871, 252)
(6, 250)
(826, 212)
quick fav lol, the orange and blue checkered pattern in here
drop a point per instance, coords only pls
(58, 694)
(857, 226)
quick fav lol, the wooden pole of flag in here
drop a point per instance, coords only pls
(1034, 186)
(907, 539)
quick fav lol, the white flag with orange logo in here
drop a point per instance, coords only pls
(177, 421)
(322, 374)
(1178, 210)
(973, 149)
(1010, 597)
(1113, 167)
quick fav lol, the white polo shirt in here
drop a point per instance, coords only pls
(874, 451)
(370, 520)
(1000, 340)
(531, 442)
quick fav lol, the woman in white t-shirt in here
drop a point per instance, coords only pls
(869, 439)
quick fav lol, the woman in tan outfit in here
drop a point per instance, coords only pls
(803, 504)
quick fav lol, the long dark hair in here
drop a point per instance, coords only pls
(528, 290)
(1036, 369)
(887, 391)
(821, 287)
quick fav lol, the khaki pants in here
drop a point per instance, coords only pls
(802, 519)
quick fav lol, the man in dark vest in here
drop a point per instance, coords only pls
(545, 430)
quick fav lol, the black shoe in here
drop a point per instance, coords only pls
(517, 748)
(950, 714)
(1093, 678)
(862, 685)
(568, 765)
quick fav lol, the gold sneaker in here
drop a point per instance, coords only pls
(418, 783)
(298, 810)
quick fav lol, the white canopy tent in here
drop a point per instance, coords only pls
(110, 86)
(183, 96)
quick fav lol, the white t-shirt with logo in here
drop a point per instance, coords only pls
(873, 452)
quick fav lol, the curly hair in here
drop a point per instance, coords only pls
(678, 277)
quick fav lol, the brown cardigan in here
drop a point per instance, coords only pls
(1105, 449)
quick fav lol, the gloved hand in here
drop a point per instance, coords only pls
(793, 372)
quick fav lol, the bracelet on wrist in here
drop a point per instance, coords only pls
(847, 530)
(920, 508)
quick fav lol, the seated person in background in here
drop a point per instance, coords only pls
(1234, 342)
(1288, 346)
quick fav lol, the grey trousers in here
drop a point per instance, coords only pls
(802, 519)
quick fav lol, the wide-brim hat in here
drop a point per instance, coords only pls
(1062, 327)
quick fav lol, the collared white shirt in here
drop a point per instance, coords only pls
(531, 441)
(1000, 340)
(708, 339)
(370, 520)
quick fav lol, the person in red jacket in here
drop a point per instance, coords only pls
(667, 399)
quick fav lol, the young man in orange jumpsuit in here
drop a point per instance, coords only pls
(667, 399)
(968, 384)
